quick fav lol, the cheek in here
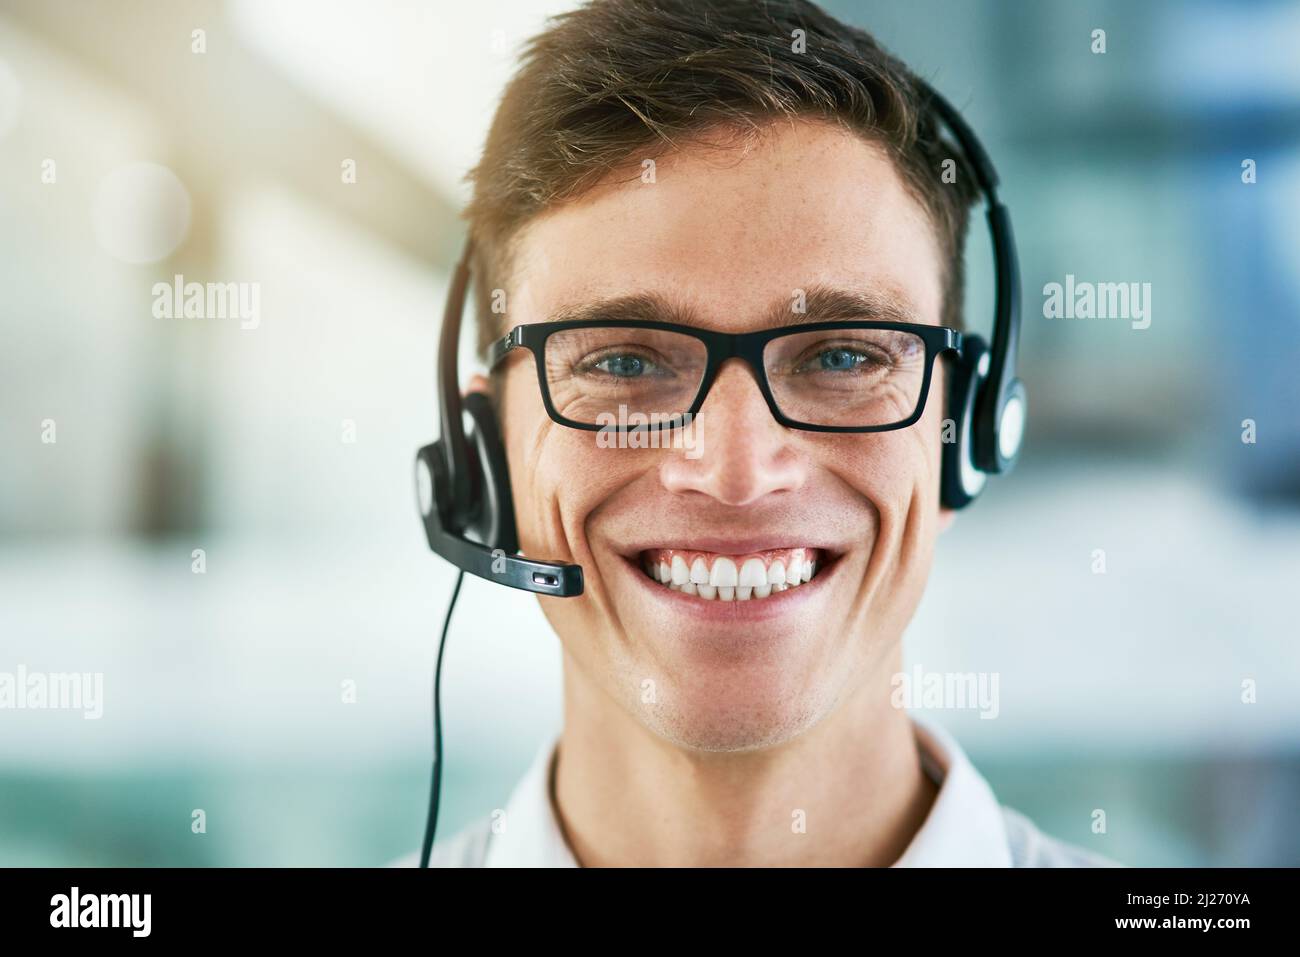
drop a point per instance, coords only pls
(891, 469)
(916, 452)
(525, 426)
(559, 476)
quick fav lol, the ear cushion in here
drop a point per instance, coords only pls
(492, 510)
(432, 496)
(960, 481)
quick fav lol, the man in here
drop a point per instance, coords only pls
(728, 669)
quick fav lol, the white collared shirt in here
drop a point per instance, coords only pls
(966, 826)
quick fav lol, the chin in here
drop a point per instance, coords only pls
(759, 704)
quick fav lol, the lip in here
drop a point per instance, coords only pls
(733, 546)
(788, 602)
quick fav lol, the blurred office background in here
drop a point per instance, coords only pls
(284, 451)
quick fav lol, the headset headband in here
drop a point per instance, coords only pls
(995, 448)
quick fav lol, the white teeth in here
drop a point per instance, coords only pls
(776, 573)
(752, 573)
(724, 573)
(725, 582)
(699, 572)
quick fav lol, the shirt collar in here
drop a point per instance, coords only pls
(530, 835)
(965, 826)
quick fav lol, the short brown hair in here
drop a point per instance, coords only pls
(613, 78)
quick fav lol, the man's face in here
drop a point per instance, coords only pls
(728, 236)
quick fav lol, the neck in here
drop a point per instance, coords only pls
(848, 792)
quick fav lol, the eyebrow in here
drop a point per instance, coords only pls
(824, 303)
(820, 302)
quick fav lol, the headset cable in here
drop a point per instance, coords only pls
(431, 826)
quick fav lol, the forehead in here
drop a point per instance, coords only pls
(730, 229)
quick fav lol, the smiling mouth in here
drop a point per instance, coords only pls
(717, 577)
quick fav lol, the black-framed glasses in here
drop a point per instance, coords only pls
(625, 374)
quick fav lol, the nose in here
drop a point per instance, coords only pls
(745, 453)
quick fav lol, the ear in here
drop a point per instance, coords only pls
(946, 517)
(479, 383)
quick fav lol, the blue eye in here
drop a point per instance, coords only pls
(840, 360)
(622, 366)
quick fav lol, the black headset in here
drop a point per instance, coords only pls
(463, 485)
(986, 401)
